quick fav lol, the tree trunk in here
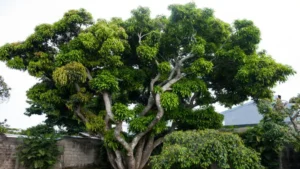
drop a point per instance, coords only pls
(280, 160)
(137, 159)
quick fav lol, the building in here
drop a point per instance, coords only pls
(244, 115)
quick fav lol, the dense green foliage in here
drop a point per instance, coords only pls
(203, 148)
(4, 90)
(172, 69)
(271, 135)
(38, 149)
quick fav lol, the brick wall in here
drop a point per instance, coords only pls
(78, 152)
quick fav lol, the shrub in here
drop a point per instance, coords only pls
(39, 149)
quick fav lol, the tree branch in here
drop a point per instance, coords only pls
(150, 99)
(157, 142)
(140, 37)
(107, 103)
(80, 115)
(147, 152)
(149, 106)
(153, 81)
(185, 58)
(191, 104)
(176, 69)
(173, 71)
(139, 152)
(111, 158)
(295, 116)
(89, 76)
(121, 140)
(118, 159)
(78, 108)
(159, 115)
(147, 34)
(157, 101)
(292, 119)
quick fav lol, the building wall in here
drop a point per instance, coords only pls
(77, 152)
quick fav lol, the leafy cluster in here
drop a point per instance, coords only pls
(203, 148)
(39, 149)
(4, 90)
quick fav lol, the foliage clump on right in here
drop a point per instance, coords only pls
(203, 148)
(277, 129)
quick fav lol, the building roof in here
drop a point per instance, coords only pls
(245, 114)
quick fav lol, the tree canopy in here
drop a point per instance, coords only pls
(171, 69)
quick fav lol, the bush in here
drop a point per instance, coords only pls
(39, 149)
(203, 148)
(3, 127)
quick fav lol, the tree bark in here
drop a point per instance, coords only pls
(136, 153)
(137, 159)
(139, 152)
(111, 158)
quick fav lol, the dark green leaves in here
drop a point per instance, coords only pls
(122, 113)
(146, 52)
(164, 67)
(169, 101)
(105, 81)
(201, 67)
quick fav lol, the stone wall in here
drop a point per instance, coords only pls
(78, 152)
(7, 152)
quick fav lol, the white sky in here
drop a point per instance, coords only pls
(278, 21)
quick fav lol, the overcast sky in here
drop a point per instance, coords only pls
(278, 21)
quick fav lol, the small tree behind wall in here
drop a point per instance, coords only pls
(4, 90)
(39, 149)
(272, 134)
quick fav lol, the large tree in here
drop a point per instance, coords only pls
(169, 69)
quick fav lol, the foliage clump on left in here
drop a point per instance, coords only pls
(39, 149)
(3, 127)
(4, 90)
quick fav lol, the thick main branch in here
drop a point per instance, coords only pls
(159, 115)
